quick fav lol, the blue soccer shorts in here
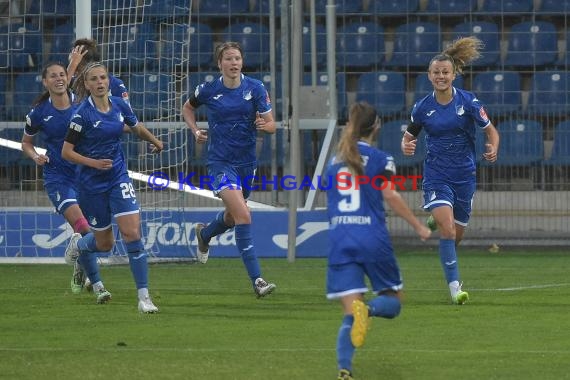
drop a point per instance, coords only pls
(62, 194)
(100, 208)
(458, 197)
(349, 278)
(225, 176)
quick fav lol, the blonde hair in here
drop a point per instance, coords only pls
(460, 53)
(79, 85)
(362, 119)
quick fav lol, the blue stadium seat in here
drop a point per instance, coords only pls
(323, 80)
(532, 44)
(63, 37)
(343, 7)
(488, 32)
(4, 47)
(386, 91)
(565, 59)
(3, 87)
(223, 8)
(146, 91)
(254, 41)
(561, 145)
(555, 6)
(507, 6)
(451, 6)
(166, 9)
(415, 44)
(360, 45)
(25, 46)
(321, 45)
(424, 87)
(27, 86)
(134, 45)
(499, 92)
(262, 7)
(52, 8)
(177, 38)
(549, 93)
(521, 143)
(389, 140)
(393, 7)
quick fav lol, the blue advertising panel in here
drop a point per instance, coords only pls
(167, 233)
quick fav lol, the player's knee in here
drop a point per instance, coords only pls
(386, 306)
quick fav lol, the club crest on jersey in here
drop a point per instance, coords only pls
(460, 110)
(247, 95)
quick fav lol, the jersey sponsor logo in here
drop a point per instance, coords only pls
(75, 126)
(47, 118)
(47, 242)
(216, 97)
(247, 95)
(483, 114)
(429, 113)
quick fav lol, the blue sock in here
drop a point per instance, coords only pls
(384, 306)
(217, 227)
(87, 243)
(244, 243)
(448, 258)
(138, 263)
(344, 347)
(88, 261)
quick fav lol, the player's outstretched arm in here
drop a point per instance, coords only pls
(400, 207)
(146, 135)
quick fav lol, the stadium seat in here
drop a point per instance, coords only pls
(177, 38)
(555, 6)
(27, 86)
(360, 45)
(134, 46)
(565, 59)
(146, 92)
(25, 46)
(321, 46)
(521, 143)
(532, 44)
(561, 145)
(506, 6)
(451, 6)
(389, 140)
(386, 91)
(52, 8)
(549, 93)
(4, 47)
(63, 37)
(3, 87)
(262, 7)
(166, 9)
(415, 44)
(254, 41)
(499, 92)
(488, 33)
(424, 87)
(323, 80)
(343, 7)
(223, 8)
(393, 7)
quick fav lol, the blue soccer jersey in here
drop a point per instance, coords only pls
(53, 125)
(100, 137)
(358, 229)
(117, 88)
(231, 119)
(450, 135)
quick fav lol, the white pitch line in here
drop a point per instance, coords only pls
(527, 287)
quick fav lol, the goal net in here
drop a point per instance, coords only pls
(146, 43)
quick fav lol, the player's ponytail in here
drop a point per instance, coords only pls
(362, 119)
(461, 52)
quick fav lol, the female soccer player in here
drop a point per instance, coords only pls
(450, 117)
(49, 116)
(238, 108)
(360, 242)
(93, 141)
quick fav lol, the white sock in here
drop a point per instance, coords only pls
(98, 286)
(454, 287)
(143, 293)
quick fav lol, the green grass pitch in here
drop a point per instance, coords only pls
(211, 326)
